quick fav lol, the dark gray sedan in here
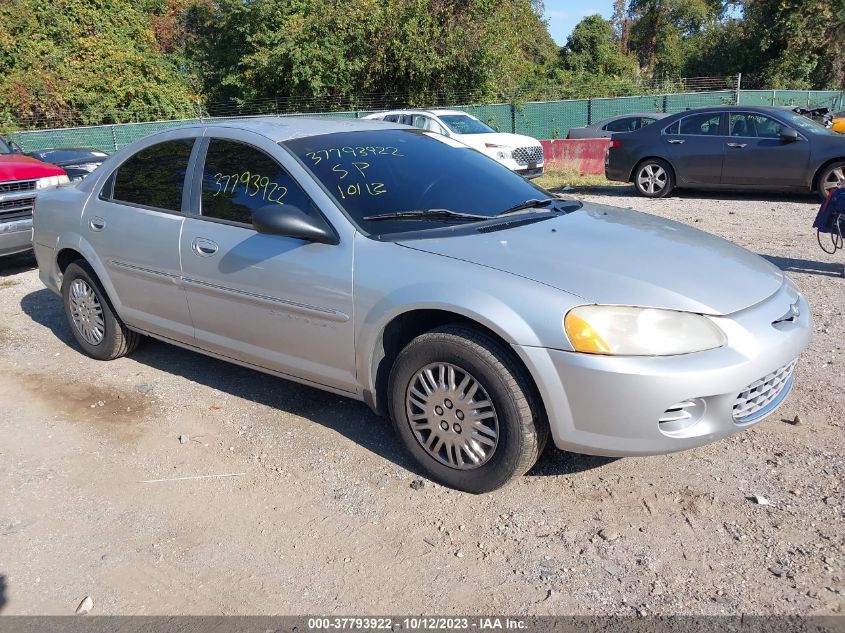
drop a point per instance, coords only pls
(619, 123)
(729, 147)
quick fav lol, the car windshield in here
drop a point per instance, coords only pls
(425, 176)
(807, 125)
(465, 124)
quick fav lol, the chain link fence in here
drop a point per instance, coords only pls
(536, 112)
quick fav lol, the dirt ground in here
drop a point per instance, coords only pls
(322, 517)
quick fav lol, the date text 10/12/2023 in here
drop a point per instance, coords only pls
(419, 623)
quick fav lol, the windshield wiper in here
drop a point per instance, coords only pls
(426, 214)
(533, 203)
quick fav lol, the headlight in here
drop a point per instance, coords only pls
(627, 331)
(51, 181)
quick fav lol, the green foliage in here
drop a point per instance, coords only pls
(593, 48)
(337, 49)
(78, 60)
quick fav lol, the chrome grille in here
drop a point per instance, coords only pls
(16, 207)
(17, 186)
(525, 155)
(762, 396)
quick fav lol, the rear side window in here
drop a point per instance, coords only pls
(645, 121)
(705, 124)
(628, 124)
(238, 179)
(155, 176)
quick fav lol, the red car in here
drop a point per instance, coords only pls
(20, 178)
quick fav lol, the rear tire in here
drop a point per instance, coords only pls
(465, 410)
(92, 319)
(654, 178)
(832, 176)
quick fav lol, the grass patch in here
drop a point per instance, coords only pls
(560, 178)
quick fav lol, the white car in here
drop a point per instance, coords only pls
(519, 153)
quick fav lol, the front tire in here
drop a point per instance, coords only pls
(92, 319)
(465, 409)
(654, 178)
(832, 176)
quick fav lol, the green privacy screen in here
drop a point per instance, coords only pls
(542, 120)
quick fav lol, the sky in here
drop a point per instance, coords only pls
(563, 15)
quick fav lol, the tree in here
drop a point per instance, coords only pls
(86, 61)
(593, 48)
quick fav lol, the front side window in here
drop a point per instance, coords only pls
(628, 124)
(465, 124)
(705, 124)
(754, 125)
(238, 179)
(646, 121)
(379, 172)
(155, 176)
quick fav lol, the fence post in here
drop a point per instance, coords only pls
(774, 97)
(113, 138)
(513, 118)
(590, 111)
(665, 103)
(738, 87)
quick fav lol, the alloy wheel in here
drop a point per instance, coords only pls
(652, 178)
(452, 416)
(835, 178)
(86, 312)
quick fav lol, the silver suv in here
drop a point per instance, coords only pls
(398, 267)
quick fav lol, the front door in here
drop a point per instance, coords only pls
(697, 148)
(280, 303)
(134, 224)
(755, 154)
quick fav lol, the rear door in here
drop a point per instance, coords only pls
(134, 225)
(696, 145)
(276, 302)
(756, 156)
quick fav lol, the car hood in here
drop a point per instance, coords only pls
(20, 167)
(607, 255)
(478, 141)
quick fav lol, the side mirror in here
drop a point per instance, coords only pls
(290, 221)
(788, 135)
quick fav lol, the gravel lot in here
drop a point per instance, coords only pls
(327, 515)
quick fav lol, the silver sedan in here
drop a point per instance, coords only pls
(398, 267)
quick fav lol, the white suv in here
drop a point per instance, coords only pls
(519, 153)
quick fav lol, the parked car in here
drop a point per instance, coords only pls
(619, 123)
(729, 147)
(837, 122)
(398, 267)
(21, 177)
(519, 153)
(78, 162)
(9, 147)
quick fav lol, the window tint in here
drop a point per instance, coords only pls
(377, 172)
(420, 121)
(645, 121)
(392, 118)
(238, 179)
(754, 126)
(674, 128)
(628, 124)
(155, 176)
(4, 149)
(705, 124)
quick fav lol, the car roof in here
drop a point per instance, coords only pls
(434, 111)
(286, 128)
(655, 115)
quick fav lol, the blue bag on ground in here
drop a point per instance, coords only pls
(832, 212)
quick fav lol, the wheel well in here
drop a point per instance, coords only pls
(660, 158)
(405, 328)
(819, 171)
(66, 257)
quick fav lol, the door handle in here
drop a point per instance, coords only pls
(203, 247)
(676, 141)
(96, 224)
(737, 145)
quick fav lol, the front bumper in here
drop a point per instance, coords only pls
(604, 405)
(15, 236)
